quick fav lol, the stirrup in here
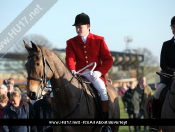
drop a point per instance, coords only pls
(105, 128)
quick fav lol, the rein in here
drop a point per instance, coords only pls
(79, 100)
(43, 80)
(43, 83)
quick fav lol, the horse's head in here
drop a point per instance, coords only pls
(36, 66)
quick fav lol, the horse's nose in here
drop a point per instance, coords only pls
(32, 95)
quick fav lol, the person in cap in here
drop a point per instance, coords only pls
(10, 87)
(167, 65)
(5, 82)
(86, 48)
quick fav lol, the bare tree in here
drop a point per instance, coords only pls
(149, 58)
(150, 64)
(37, 39)
(19, 48)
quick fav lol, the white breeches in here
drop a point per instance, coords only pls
(98, 84)
(159, 89)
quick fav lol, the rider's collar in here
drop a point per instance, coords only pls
(84, 38)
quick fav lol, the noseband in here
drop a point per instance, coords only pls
(43, 80)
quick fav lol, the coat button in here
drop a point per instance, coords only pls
(84, 46)
(85, 51)
(86, 61)
(86, 57)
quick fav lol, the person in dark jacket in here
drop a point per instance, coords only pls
(41, 110)
(145, 92)
(167, 64)
(132, 99)
(17, 109)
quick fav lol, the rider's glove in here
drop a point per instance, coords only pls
(74, 72)
(95, 75)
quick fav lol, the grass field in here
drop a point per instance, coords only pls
(125, 115)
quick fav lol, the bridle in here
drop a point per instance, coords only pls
(43, 84)
(43, 79)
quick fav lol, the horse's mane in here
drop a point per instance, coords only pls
(46, 49)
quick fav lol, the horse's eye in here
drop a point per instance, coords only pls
(37, 64)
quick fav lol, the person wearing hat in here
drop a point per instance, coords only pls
(10, 87)
(167, 65)
(86, 48)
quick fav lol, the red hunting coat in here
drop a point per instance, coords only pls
(79, 55)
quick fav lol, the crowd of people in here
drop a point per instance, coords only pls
(134, 96)
(15, 104)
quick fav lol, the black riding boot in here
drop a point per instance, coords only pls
(155, 112)
(105, 110)
(156, 108)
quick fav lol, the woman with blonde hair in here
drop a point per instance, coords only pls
(16, 109)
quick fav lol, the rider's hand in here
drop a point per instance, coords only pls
(73, 72)
(95, 75)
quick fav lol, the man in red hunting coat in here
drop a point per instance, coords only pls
(86, 48)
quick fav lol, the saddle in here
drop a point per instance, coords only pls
(95, 94)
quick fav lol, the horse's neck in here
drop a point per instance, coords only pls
(62, 76)
(68, 89)
(61, 71)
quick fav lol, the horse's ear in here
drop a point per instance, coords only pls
(27, 47)
(35, 47)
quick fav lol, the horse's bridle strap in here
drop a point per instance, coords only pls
(57, 89)
(43, 79)
(35, 78)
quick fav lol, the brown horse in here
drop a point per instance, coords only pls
(72, 98)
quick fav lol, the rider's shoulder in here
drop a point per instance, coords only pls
(168, 41)
(71, 39)
(95, 36)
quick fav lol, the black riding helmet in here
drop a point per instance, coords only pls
(81, 19)
(173, 21)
